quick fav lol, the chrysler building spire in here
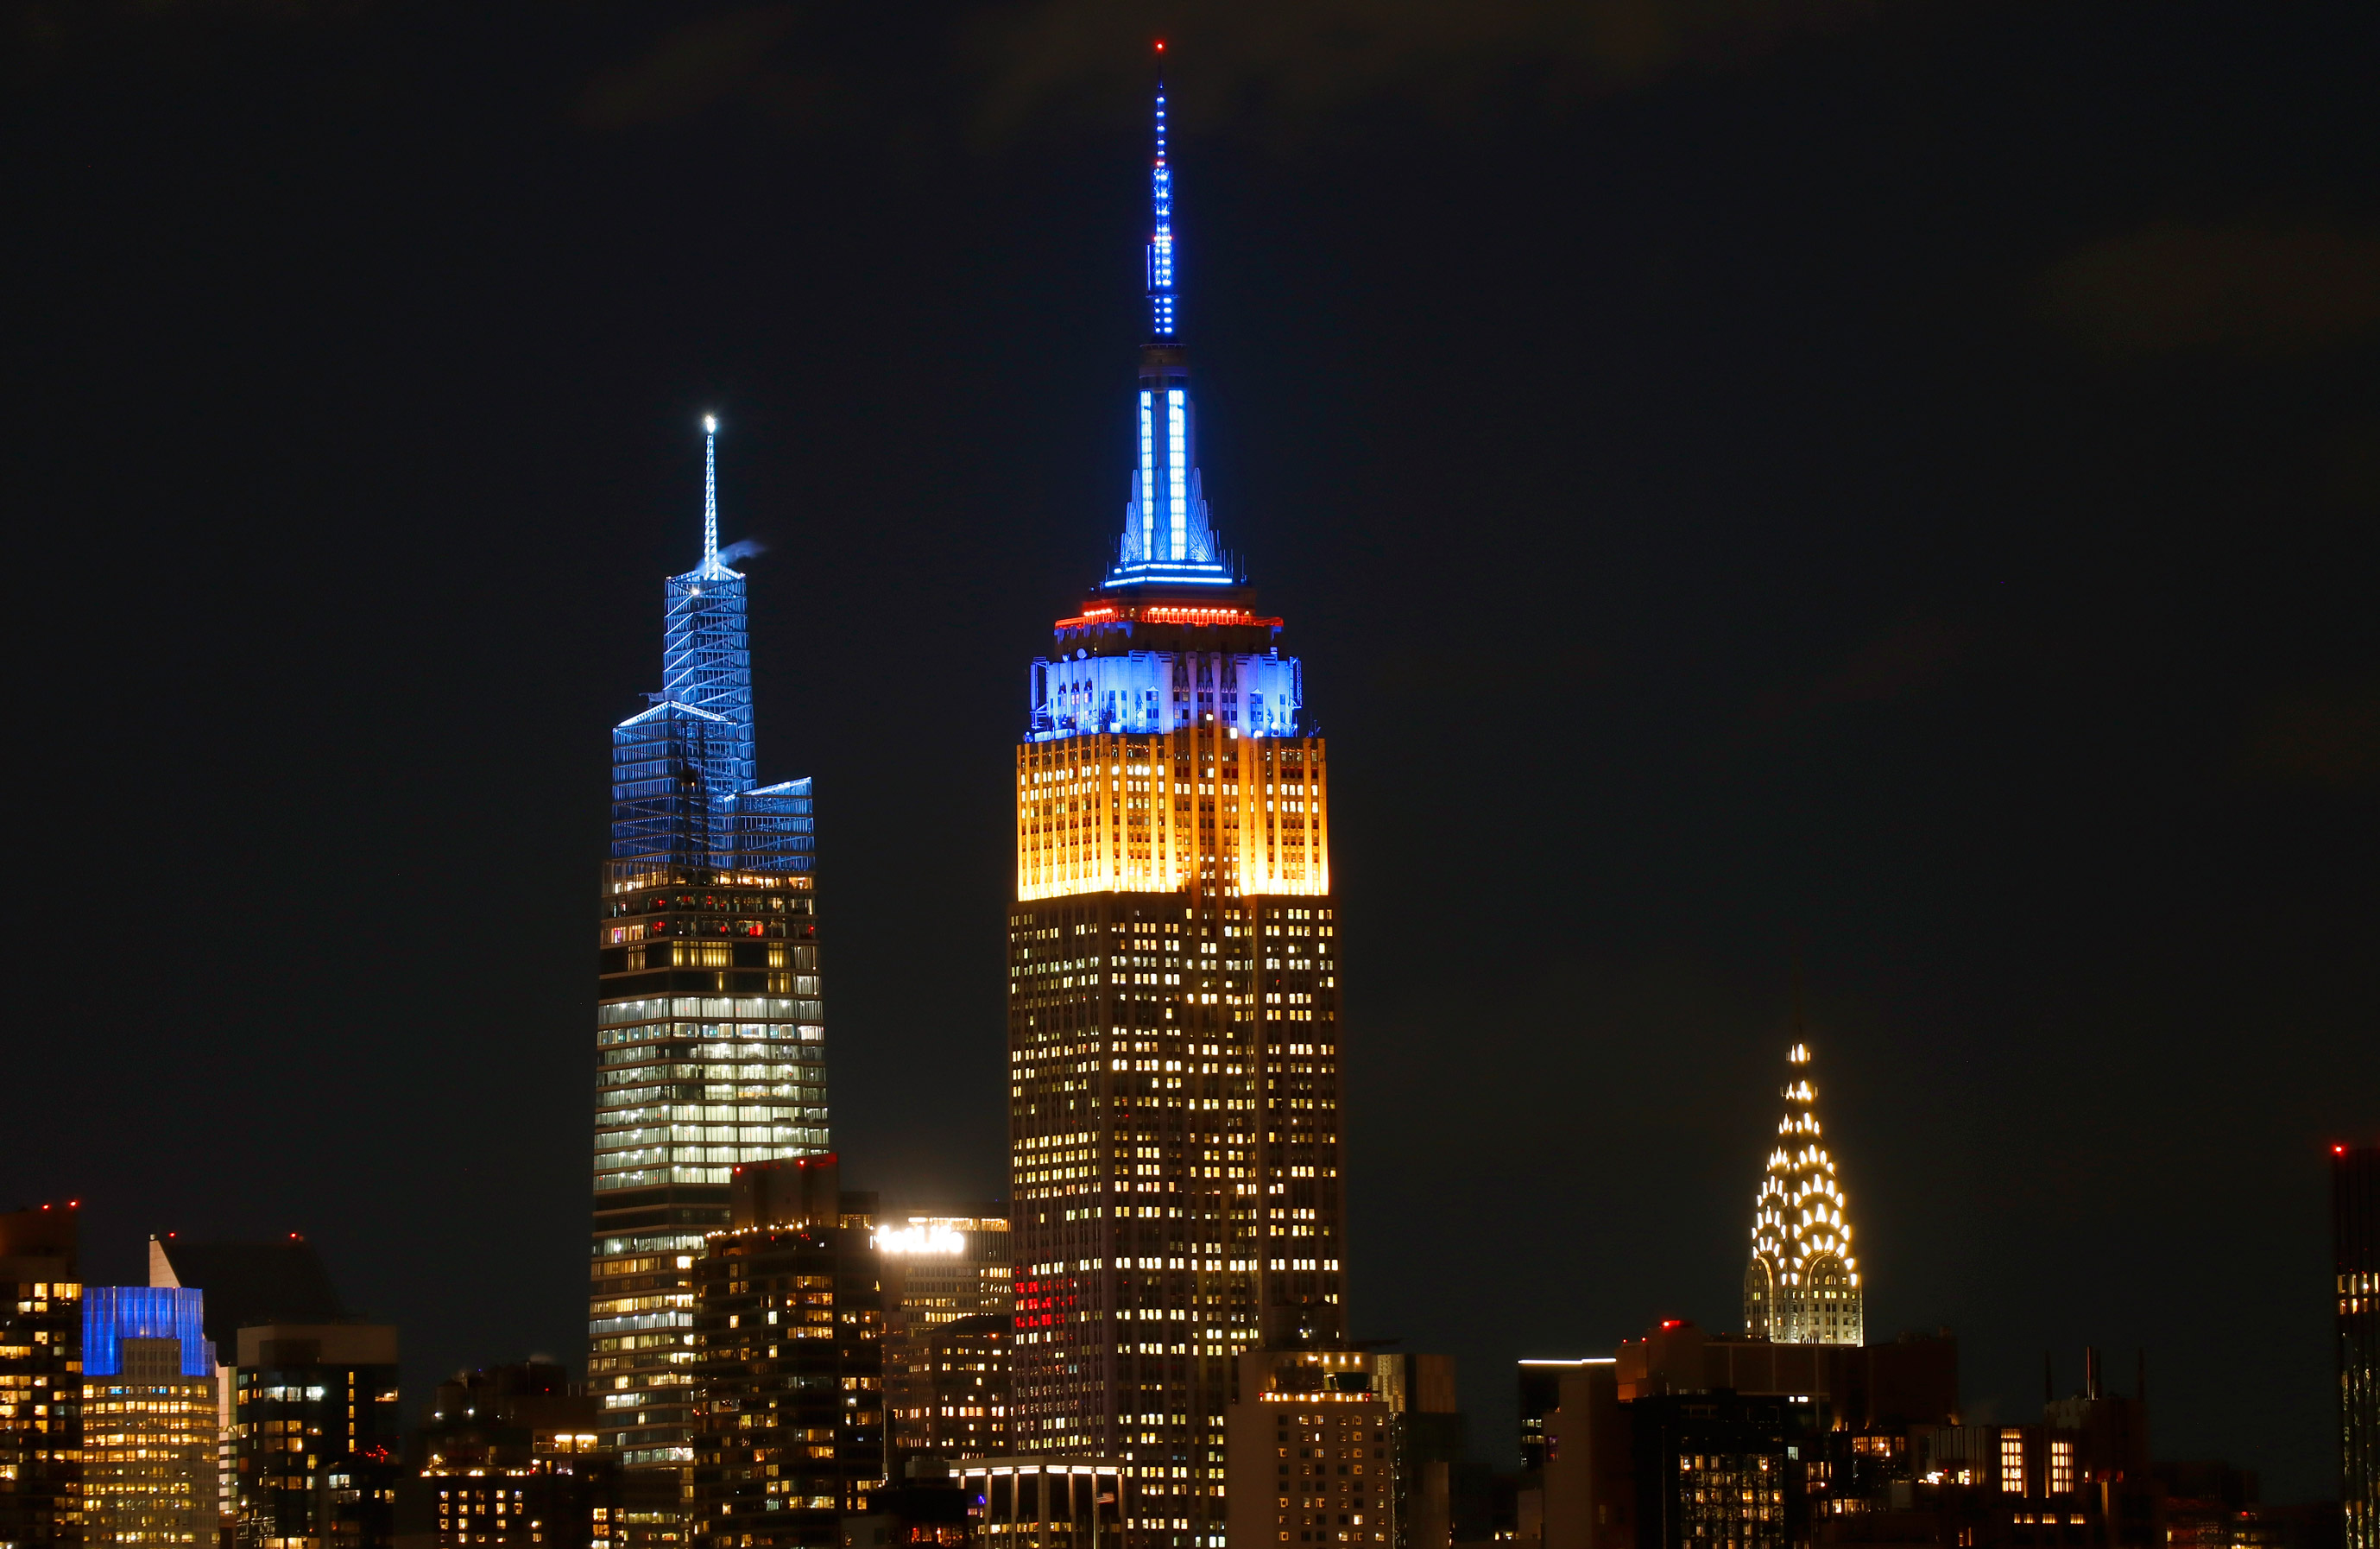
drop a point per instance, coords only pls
(1802, 1286)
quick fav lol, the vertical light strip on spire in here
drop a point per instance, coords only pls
(1161, 242)
(711, 495)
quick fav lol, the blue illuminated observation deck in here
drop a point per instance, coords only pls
(1173, 593)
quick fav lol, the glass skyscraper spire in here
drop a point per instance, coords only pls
(1172, 1027)
(709, 1036)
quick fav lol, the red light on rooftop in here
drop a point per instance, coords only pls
(1671, 1323)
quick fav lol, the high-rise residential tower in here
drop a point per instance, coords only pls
(1802, 1286)
(40, 1377)
(709, 1040)
(2355, 1253)
(1173, 1039)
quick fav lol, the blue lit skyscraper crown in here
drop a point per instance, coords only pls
(685, 778)
(1168, 537)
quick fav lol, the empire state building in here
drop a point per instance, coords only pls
(1175, 1147)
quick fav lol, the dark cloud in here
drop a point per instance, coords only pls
(2175, 286)
(1896, 664)
(730, 55)
(1300, 59)
(2330, 738)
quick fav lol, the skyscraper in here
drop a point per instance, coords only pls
(1174, 1132)
(1802, 1286)
(319, 1446)
(2355, 1254)
(40, 1377)
(149, 1418)
(709, 1040)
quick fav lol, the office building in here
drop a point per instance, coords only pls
(1174, 1110)
(1802, 1286)
(1634, 1445)
(244, 1284)
(1540, 1394)
(710, 1038)
(40, 1378)
(149, 1423)
(2355, 1263)
(318, 1444)
(946, 1395)
(788, 1372)
(508, 1457)
(1344, 1447)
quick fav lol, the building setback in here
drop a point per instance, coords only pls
(709, 1043)
(1174, 1042)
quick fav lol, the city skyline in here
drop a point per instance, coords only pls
(1780, 482)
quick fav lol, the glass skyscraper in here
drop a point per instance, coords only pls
(709, 1036)
(1174, 1044)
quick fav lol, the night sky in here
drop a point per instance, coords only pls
(1892, 486)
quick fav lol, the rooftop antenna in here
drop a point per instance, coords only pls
(711, 566)
(1160, 240)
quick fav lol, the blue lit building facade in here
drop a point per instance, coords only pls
(1175, 1118)
(709, 1032)
(149, 1430)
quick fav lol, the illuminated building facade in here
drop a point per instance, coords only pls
(40, 1378)
(949, 1397)
(1174, 1120)
(941, 1267)
(509, 1459)
(2355, 1253)
(1802, 1286)
(1313, 1449)
(789, 1365)
(710, 1037)
(149, 1418)
(318, 1444)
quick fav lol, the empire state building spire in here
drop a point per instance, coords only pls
(1160, 240)
(1168, 537)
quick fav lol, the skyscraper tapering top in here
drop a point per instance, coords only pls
(1802, 1286)
(711, 1039)
(1174, 1120)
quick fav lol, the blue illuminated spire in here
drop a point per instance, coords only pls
(711, 566)
(1160, 240)
(1168, 539)
(685, 780)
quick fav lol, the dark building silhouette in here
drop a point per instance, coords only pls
(788, 1398)
(318, 1447)
(243, 1285)
(508, 1457)
(40, 1378)
(2355, 1255)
